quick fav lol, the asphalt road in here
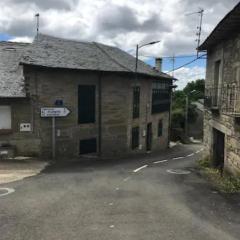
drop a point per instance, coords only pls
(123, 199)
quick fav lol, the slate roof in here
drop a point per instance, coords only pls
(48, 51)
(11, 77)
(226, 28)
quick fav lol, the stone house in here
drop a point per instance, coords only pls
(113, 111)
(222, 101)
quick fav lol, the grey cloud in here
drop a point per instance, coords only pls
(209, 3)
(154, 23)
(120, 19)
(48, 4)
(21, 27)
(179, 45)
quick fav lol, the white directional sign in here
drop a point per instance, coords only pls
(54, 112)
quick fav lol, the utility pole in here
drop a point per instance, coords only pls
(199, 28)
(173, 65)
(37, 17)
(186, 116)
(199, 32)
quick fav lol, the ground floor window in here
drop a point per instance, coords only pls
(135, 137)
(88, 146)
(5, 118)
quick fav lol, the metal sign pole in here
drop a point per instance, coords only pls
(53, 138)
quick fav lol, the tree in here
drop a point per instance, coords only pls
(195, 91)
(198, 86)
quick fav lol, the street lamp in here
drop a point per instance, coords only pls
(140, 46)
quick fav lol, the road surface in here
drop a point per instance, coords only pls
(139, 199)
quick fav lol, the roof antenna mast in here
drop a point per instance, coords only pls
(37, 17)
(199, 28)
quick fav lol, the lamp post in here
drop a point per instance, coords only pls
(137, 49)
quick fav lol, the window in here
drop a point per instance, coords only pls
(216, 82)
(86, 104)
(136, 101)
(135, 137)
(160, 96)
(88, 146)
(5, 118)
(160, 128)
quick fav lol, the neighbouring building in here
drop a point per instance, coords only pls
(113, 111)
(222, 101)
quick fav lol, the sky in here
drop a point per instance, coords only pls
(121, 23)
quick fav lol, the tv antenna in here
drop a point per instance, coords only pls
(37, 15)
(199, 28)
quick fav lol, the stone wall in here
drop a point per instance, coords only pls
(228, 53)
(25, 143)
(47, 85)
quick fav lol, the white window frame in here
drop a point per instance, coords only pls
(5, 121)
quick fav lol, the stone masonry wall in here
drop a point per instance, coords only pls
(47, 85)
(229, 54)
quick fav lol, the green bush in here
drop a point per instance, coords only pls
(223, 181)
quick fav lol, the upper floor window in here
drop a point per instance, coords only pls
(160, 96)
(136, 102)
(217, 73)
(86, 103)
(5, 118)
(216, 93)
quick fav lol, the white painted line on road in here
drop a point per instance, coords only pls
(190, 155)
(138, 169)
(110, 204)
(111, 226)
(6, 191)
(161, 161)
(117, 188)
(178, 158)
(126, 179)
(178, 171)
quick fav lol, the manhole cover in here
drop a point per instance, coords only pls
(178, 171)
(6, 191)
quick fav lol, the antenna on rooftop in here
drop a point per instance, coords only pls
(199, 28)
(37, 17)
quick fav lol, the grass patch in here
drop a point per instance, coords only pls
(225, 182)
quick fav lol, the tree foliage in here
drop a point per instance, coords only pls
(195, 91)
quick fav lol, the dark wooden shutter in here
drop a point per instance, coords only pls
(86, 104)
(136, 101)
(135, 137)
(88, 146)
(160, 128)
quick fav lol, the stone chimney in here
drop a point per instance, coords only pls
(158, 64)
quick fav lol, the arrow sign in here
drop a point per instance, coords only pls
(54, 112)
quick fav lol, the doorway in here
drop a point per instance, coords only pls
(149, 137)
(218, 148)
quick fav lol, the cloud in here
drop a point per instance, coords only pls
(188, 74)
(113, 20)
(21, 39)
(46, 4)
(122, 23)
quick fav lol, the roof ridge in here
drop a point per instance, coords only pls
(63, 39)
(113, 59)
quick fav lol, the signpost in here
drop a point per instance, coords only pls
(54, 112)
